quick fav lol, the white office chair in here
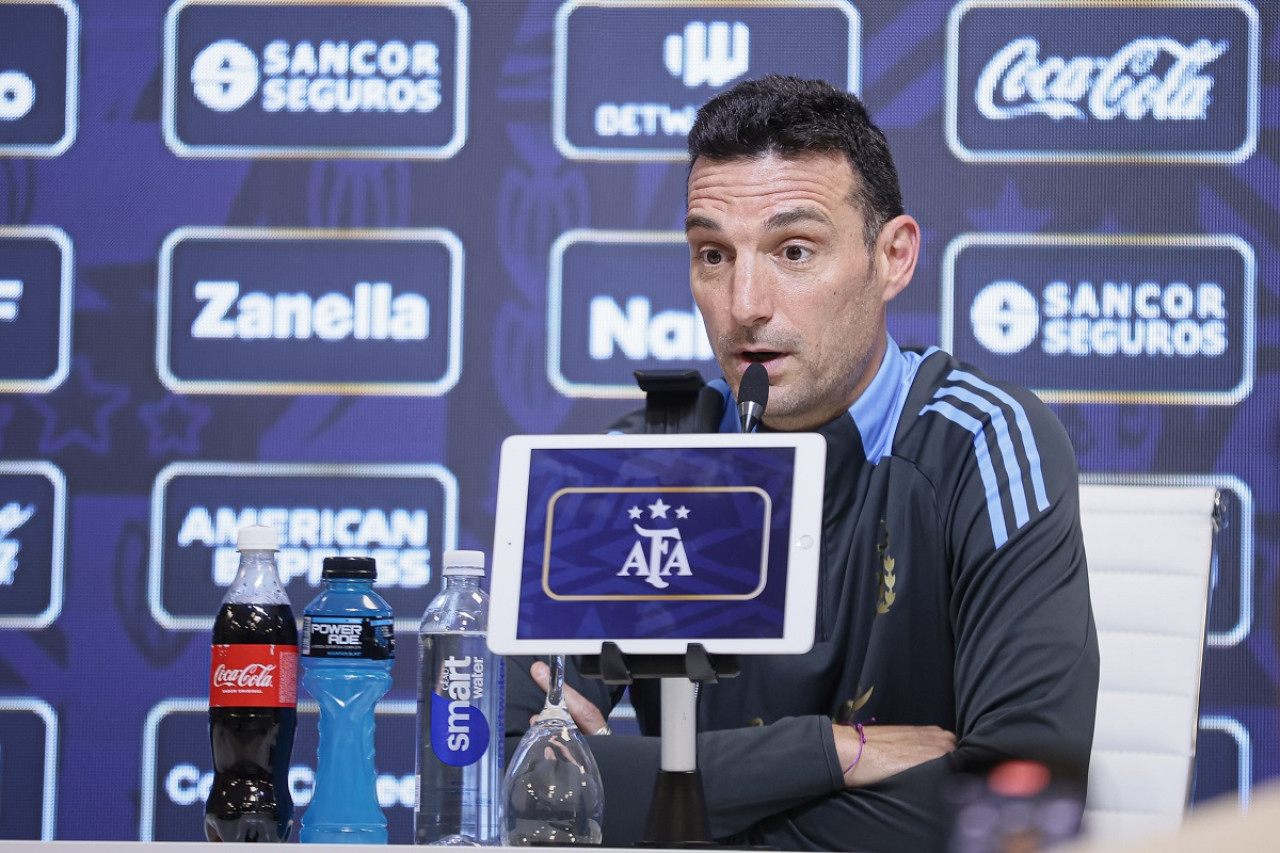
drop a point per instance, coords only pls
(1150, 551)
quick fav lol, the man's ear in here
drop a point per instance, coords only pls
(897, 250)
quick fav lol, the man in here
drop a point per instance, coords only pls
(953, 596)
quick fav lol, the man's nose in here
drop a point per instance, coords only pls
(752, 297)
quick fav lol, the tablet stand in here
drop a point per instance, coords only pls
(678, 813)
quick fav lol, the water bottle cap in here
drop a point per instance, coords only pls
(464, 563)
(355, 568)
(257, 538)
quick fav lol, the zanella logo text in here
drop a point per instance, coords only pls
(265, 310)
(259, 675)
(1102, 81)
(1134, 83)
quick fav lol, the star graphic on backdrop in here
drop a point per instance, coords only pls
(66, 412)
(1010, 213)
(634, 513)
(658, 509)
(682, 512)
(174, 423)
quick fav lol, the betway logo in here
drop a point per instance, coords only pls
(371, 312)
(710, 54)
(17, 95)
(641, 334)
(1156, 77)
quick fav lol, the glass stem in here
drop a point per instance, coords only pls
(555, 685)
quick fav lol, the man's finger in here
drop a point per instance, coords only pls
(586, 716)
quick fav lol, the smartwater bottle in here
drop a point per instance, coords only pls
(348, 646)
(460, 685)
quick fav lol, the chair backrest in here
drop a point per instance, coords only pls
(1149, 550)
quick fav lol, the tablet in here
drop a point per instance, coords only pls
(656, 542)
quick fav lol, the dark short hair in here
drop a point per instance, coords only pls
(790, 116)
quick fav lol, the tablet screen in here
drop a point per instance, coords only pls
(655, 542)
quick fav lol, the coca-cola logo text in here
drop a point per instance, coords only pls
(257, 675)
(1157, 77)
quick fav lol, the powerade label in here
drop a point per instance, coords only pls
(459, 730)
(367, 637)
(247, 675)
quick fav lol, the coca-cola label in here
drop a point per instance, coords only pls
(1102, 82)
(256, 676)
(367, 638)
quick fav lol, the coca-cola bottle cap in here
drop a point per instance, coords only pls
(258, 537)
(354, 568)
(464, 563)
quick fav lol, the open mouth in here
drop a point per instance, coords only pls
(760, 357)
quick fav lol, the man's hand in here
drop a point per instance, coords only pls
(888, 750)
(586, 716)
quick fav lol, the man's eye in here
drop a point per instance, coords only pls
(795, 253)
(712, 256)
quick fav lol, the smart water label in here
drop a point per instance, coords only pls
(177, 768)
(310, 311)
(1095, 318)
(1110, 81)
(35, 306)
(403, 516)
(617, 302)
(39, 77)
(28, 768)
(310, 78)
(630, 76)
(33, 507)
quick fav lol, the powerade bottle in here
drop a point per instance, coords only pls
(460, 686)
(253, 699)
(348, 647)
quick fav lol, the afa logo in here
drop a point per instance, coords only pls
(12, 516)
(659, 552)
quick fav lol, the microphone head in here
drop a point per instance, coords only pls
(753, 396)
(754, 387)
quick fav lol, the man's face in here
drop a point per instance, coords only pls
(782, 276)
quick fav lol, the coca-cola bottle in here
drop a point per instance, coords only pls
(253, 700)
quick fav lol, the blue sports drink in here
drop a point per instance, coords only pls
(460, 703)
(348, 647)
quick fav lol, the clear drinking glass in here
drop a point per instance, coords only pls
(552, 786)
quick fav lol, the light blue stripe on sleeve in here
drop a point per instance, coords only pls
(1024, 427)
(1020, 512)
(990, 482)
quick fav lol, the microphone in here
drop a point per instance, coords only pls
(753, 396)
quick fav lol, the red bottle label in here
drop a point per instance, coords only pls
(254, 676)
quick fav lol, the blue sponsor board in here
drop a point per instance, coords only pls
(39, 77)
(383, 78)
(1089, 318)
(640, 549)
(629, 76)
(33, 508)
(619, 301)
(404, 516)
(28, 768)
(283, 311)
(1102, 82)
(35, 307)
(177, 768)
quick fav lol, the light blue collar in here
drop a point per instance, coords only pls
(876, 412)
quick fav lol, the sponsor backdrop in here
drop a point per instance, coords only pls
(308, 263)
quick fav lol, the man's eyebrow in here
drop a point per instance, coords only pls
(796, 214)
(702, 222)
